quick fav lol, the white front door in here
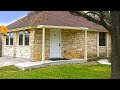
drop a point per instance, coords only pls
(55, 43)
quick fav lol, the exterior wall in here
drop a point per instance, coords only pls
(15, 50)
(20, 51)
(36, 53)
(103, 49)
(73, 43)
(109, 44)
(92, 44)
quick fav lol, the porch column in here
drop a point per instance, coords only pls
(98, 44)
(85, 55)
(43, 45)
(107, 44)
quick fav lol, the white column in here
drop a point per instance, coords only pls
(98, 44)
(107, 44)
(23, 38)
(85, 55)
(43, 45)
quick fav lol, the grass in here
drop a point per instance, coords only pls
(71, 71)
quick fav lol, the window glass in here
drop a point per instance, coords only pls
(102, 39)
(21, 38)
(11, 38)
(7, 39)
(26, 38)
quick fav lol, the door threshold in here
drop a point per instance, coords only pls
(54, 59)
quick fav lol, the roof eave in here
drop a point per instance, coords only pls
(62, 27)
(23, 28)
(58, 27)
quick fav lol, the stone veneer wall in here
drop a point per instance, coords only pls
(92, 44)
(15, 50)
(103, 49)
(109, 44)
(36, 47)
(73, 43)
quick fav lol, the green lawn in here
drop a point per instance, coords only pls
(71, 71)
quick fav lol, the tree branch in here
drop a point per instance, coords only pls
(83, 14)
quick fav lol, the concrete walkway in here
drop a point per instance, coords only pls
(31, 65)
(25, 64)
(6, 61)
(104, 61)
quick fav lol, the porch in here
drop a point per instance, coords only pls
(26, 64)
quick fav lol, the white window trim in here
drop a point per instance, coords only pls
(9, 40)
(24, 39)
(23, 32)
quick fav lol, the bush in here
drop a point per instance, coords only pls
(94, 59)
(109, 59)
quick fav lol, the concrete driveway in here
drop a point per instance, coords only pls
(6, 61)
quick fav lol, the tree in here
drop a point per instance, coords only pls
(111, 21)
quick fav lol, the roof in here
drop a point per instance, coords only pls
(54, 18)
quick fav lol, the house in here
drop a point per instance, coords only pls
(42, 35)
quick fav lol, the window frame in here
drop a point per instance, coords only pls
(9, 39)
(23, 32)
(102, 39)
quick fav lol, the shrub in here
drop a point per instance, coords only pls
(94, 59)
(109, 59)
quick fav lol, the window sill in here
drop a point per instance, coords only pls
(102, 46)
(22, 45)
(8, 45)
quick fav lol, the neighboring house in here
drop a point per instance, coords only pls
(55, 34)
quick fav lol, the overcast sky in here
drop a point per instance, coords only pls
(7, 17)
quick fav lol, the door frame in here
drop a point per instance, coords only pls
(60, 38)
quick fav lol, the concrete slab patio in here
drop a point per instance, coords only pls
(6, 61)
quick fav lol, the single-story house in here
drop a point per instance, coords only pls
(42, 35)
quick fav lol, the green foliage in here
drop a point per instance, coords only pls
(71, 71)
(94, 59)
(109, 59)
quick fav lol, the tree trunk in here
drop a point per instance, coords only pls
(115, 37)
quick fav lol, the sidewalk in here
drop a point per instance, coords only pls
(104, 61)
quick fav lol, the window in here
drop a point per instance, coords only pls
(9, 38)
(102, 39)
(24, 38)
(21, 38)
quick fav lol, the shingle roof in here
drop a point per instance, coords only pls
(54, 18)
